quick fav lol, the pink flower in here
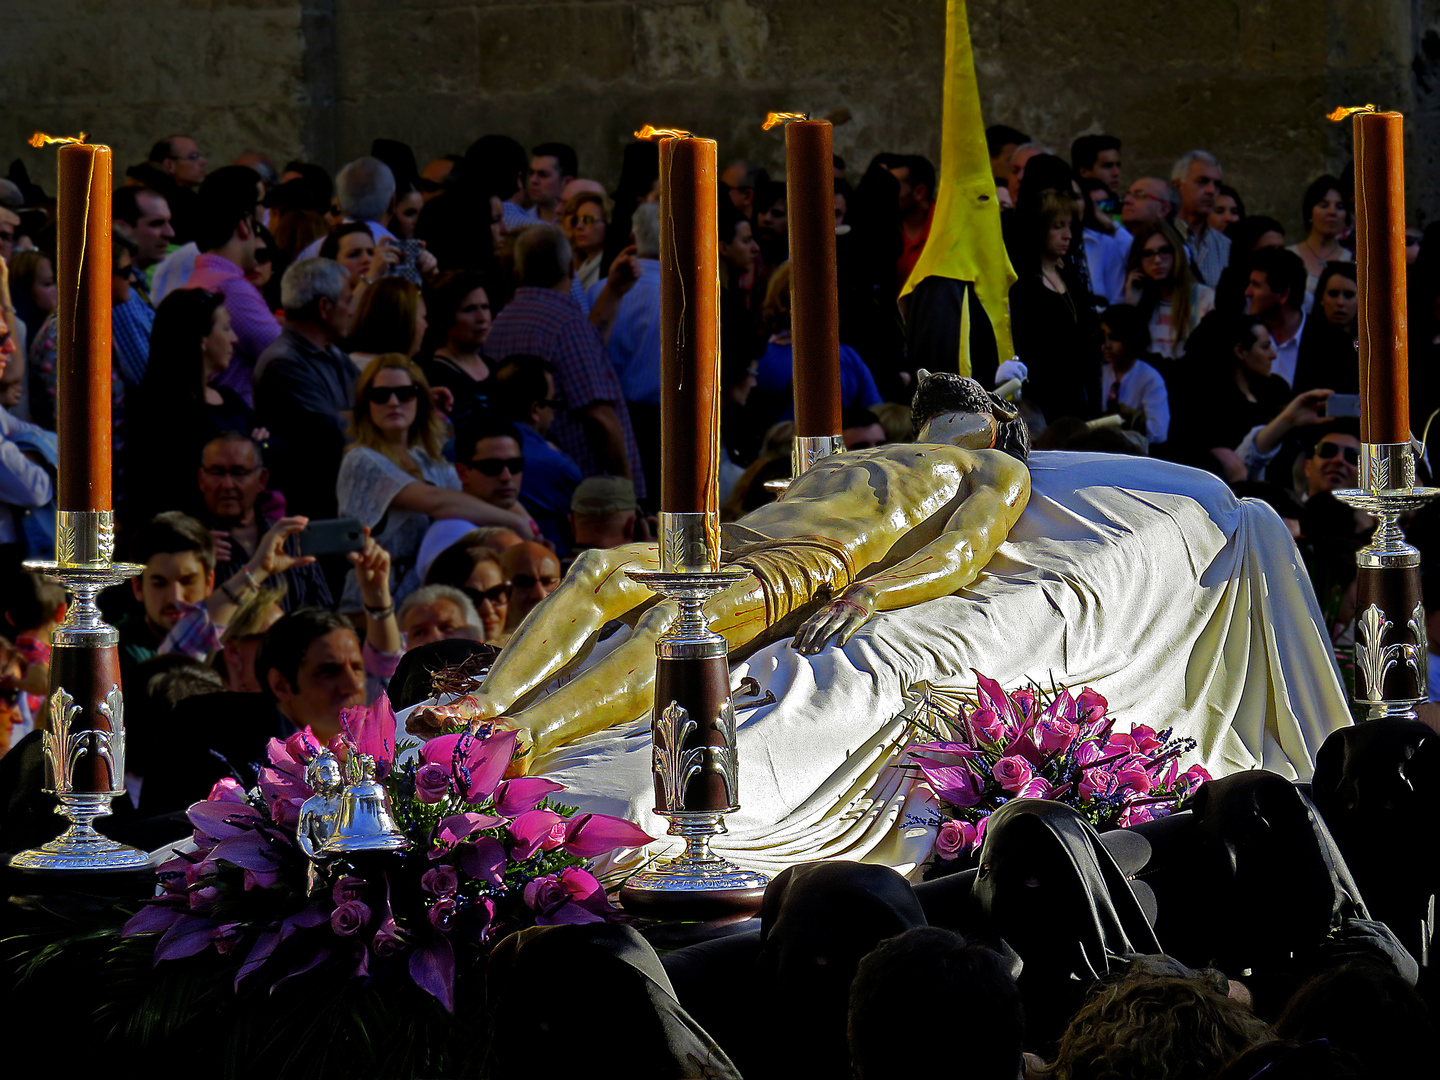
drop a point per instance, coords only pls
(1090, 706)
(372, 731)
(477, 765)
(572, 896)
(1088, 752)
(1061, 707)
(588, 835)
(1012, 773)
(1037, 787)
(536, 830)
(303, 746)
(441, 880)
(483, 860)
(937, 753)
(955, 838)
(1134, 778)
(992, 696)
(347, 889)
(988, 725)
(1098, 784)
(1138, 740)
(441, 912)
(1056, 735)
(1193, 777)
(226, 937)
(514, 797)
(432, 782)
(227, 790)
(349, 918)
(1025, 700)
(1138, 815)
(388, 939)
(954, 784)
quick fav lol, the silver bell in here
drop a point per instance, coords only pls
(365, 819)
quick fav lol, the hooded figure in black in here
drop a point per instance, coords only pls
(597, 988)
(817, 922)
(1272, 891)
(1377, 785)
(1051, 891)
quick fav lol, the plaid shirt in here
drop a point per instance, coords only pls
(130, 326)
(543, 322)
(251, 319)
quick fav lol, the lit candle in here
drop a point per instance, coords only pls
(82, 405)
(1380, 264)
(689, 327)
(814, 303)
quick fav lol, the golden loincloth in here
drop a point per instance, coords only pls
(792, 570)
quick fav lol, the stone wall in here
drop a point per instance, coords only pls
(1249, 80)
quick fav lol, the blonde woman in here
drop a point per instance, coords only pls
(393, 477)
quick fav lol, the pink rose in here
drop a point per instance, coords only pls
(1025, 699)
(440, 880)
(349, 918)
(302, 746)
(1055, 736)
(1138, 815)
(441, 912)
(954, 839)
(347, 889)
(1090, 706)
(227, 790)
(1098, 784)
(1135, 779)
(388, 939)
(988, 725)
(1012, 773)
(432, 782)
(1193, 777)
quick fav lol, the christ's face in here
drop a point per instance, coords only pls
(972, 431)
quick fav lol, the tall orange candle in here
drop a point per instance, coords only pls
(1380, 265)
(82, 407)
(689, 327)
(814, 302)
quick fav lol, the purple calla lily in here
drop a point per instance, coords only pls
(372, 731)
(433, 969)
(588, 835)
(514, 797)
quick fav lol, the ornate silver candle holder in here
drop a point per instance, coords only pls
(1390, 669)
(84, 743)
(694, 760)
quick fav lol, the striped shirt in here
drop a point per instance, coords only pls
(543, 322)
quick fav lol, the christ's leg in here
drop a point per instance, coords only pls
(621, 687)
(596, 590)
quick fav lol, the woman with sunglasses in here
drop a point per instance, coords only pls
(458, 310)
(178, 407)
(1160, 282)
(583, 219)
(474, 568)
(393, 477)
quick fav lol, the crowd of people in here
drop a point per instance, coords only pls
(456, 370)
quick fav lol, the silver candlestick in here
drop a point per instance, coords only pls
(1390, 669)
(805, 451)
(694, 761)
(84, 742)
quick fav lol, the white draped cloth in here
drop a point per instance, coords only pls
(1147, 581)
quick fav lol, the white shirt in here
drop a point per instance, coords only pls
(1286, 355)
(1142, 387)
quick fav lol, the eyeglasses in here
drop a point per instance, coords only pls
(1167, 251)
(584, 219)
(194, 155)
(381, 395)
(1327, 450)
(551, 403)
(1144, 195)
(494, 466)
(238, 472)
(526, 582)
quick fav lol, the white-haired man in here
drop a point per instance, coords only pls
(1196, 176)
(365, 190)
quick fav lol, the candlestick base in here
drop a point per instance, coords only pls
(805, 451)
(1390, 675)
(694, 760)
(84, 743)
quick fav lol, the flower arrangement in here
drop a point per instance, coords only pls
(486, 855)
(1021, 745)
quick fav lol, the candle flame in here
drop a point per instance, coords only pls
(41, 139)
(648, 132)
(1342, 112)
(775, 118)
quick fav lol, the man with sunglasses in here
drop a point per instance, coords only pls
(489, 463)
(1333, 463)
(228, 235)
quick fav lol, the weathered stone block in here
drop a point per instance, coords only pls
(534, 49)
